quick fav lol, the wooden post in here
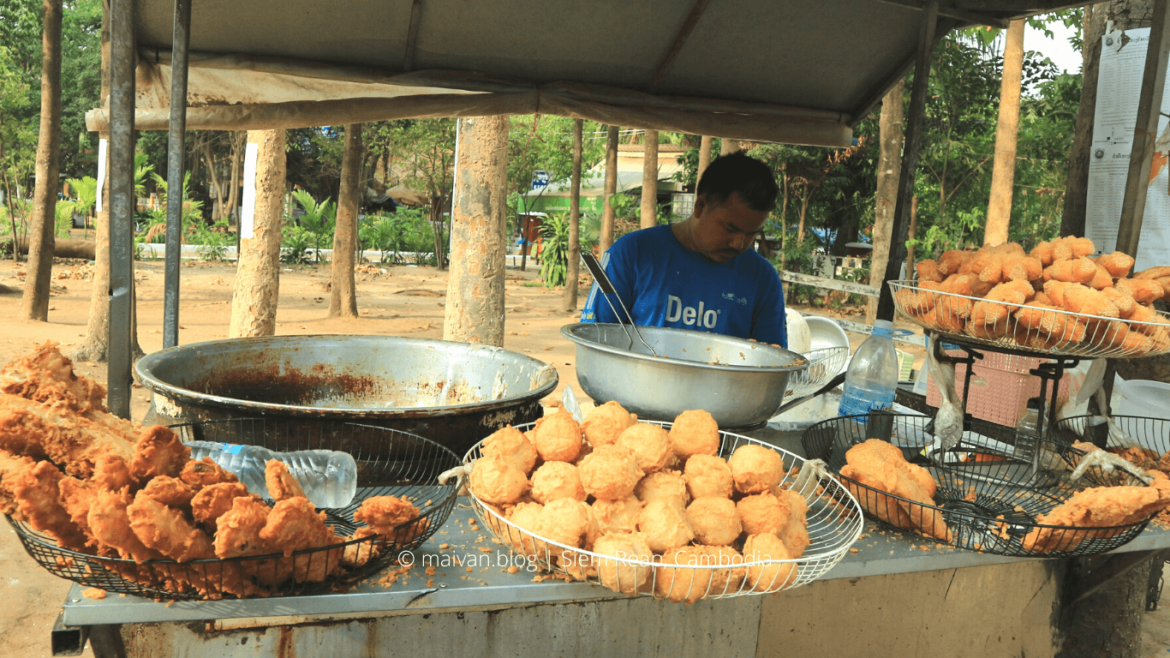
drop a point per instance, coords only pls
(909, 244)
(650, 179)
(611, 153)
(343, 289)
(889, 164)
(704, 159)
(574, 264)
(728, 146)
(257, 290)
(1145, 133)
(1003, 172)
(914, 125)
(475, 287)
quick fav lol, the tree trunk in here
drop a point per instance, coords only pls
(239, 139)
(342, 291)
(728, 146)
(95, 347)
(216, 189)
(704, 159)
(784, 217)
(574, 265)
(475, 287)
(257, 287)
(1003, 173)
(1076, 188)
(34, 304)
(650, 180)
(611, 151)
(889, 165)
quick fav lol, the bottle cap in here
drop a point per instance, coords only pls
(1034, 403)
(884, 324)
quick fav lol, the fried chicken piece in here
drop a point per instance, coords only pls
(158, 452)
(281, 484)
(604, 424)
(755, 469)
(511, 443)
(882, 466)
(1138, 456)
(169, 491)
(610, 473)
(64, 437)
(214, 501)
(555, 480)
(47, 376)
(37, 493)
(112, 472)
(1097, 507)
(77, 497)
(620, 576)
(10, 465)
(357, 556)
(167, 530)
(238, 529)
(664, 525)
(204, 473)
(386, 515)
(694, 432)
(497, 480)
(295, 525)
(109, 522)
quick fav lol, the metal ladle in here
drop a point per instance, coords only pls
(607, 289)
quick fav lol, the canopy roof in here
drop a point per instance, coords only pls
(802, 71)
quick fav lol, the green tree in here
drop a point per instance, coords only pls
(318, 219)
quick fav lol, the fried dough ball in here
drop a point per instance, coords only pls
(497, 480)
(694, 432)
(1070, 247)
(663, 484)
(688, 585)
(1043, 253)
(1022, 268)
(569, 522)
(557, 437)
(610, 473)
(618, 515)
(768, 577)
(525, 516)
(762, 514)
(952, 261)
(928, 271)
(755, 469)
(664, 525)
(1122, 300)
(794, 534)
(555, 480)
(707, 475)
(714, 520)
(619, 576)
(730, 579)
(511, 443)
(650, 445)
(603, 425)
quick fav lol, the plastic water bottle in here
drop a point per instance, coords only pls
(872, 378)
(328, 477)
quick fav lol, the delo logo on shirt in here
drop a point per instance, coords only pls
(690, 315)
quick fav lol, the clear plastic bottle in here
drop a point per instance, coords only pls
(328, 477)
(1030, 423)
(872, 378)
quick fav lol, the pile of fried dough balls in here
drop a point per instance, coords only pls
(635, 491)
(1028, 299)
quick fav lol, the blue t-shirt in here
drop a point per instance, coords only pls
(664, 284)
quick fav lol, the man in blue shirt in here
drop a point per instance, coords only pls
(702, 274)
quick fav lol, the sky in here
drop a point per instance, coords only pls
(1058, 49)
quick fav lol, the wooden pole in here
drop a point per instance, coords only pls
(257, 290)
(611, 152)
(1145, 133)
(889, 164)
(650, 180)
(704, 159)
(574, 264)
(914, 126)
(1003, 172)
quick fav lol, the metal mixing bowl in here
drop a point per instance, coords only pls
(739, 382)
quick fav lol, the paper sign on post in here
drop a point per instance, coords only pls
(247, 213)
(101, 177)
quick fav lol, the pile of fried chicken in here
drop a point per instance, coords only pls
(881, 465)
(630, 490)
(105, 486)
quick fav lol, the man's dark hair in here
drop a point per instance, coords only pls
(737, 172)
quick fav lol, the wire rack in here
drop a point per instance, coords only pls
(1149, 441)
(990, 491)
(1031, 328)
(823, 365)
(390, 463)
(834, 521)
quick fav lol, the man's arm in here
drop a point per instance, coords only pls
(769, 324)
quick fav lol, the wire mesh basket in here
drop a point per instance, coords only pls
(1032, 328)
(1143, 441)
(834, 522)
(823, 365)
(390, 463)
(991, 489)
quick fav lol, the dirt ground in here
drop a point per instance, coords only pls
(400, 300)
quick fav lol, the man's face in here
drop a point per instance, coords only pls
(726, 230)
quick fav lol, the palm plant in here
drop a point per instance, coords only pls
(319, 218)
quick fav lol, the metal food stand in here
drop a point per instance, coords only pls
(801, 72)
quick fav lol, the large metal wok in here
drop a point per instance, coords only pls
(739, 382)
(452, 393)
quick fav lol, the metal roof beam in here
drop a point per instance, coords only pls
(954, 12)
(412, 35)
(684, 33)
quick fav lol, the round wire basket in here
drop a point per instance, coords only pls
(1030, 328)
(823, 365)
(834, 521)
(390, 463)
(1143, 441)
(991, 488)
